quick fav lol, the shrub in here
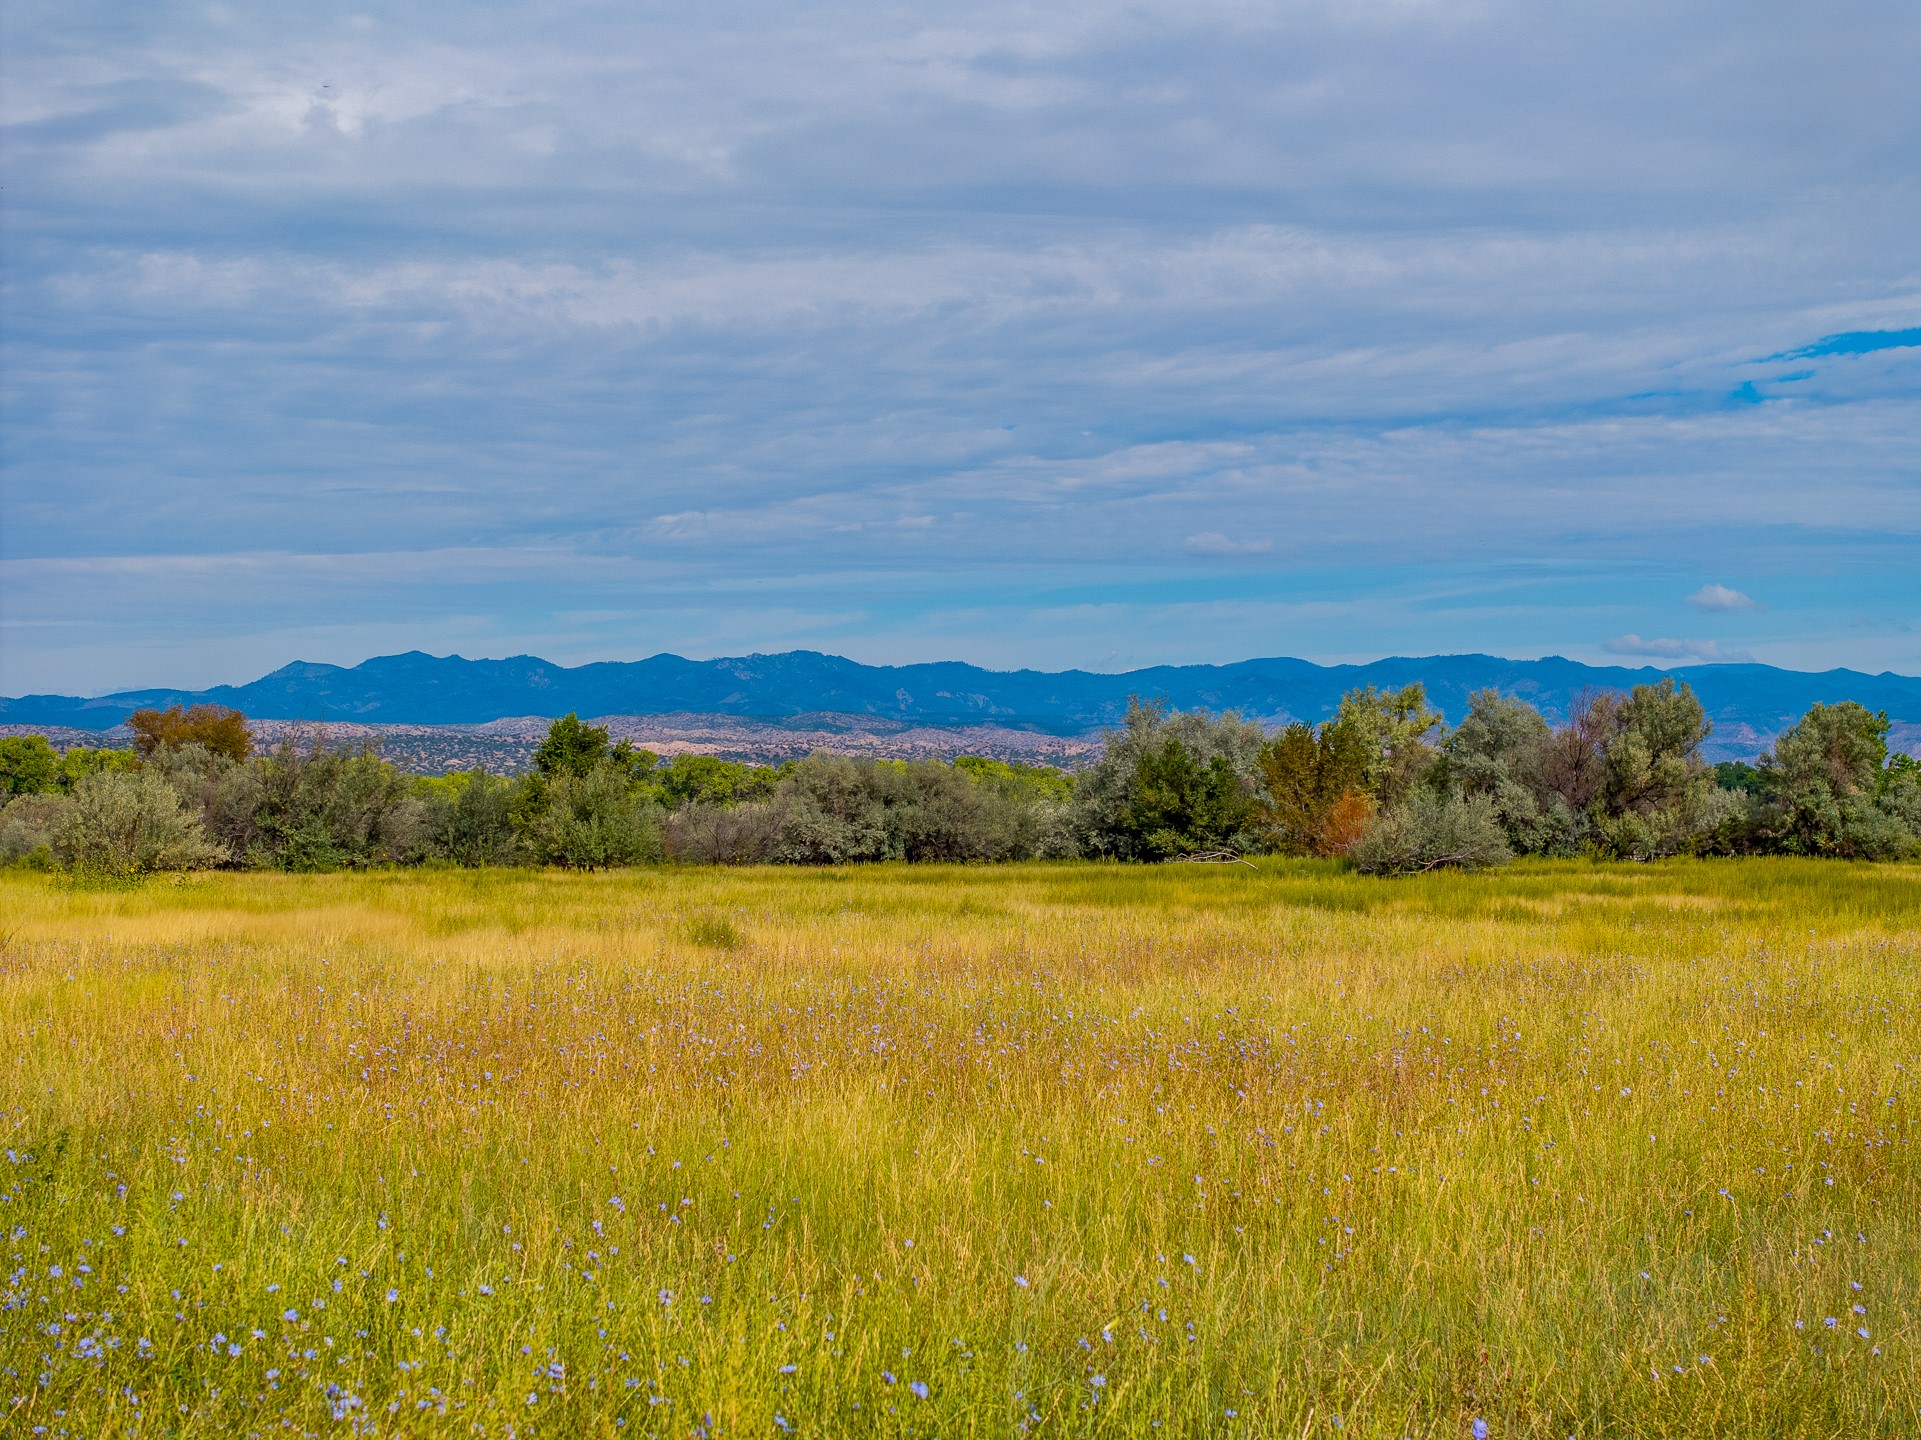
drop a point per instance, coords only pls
(707, 834)
(1432, 831)
(27, 827)
(592, 821)
(324, 808)
(120, 826)
(469, 819)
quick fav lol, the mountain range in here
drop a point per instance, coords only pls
(1748, 703)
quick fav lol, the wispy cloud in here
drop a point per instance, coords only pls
(1666, 649)
(1721, 597)
(1213, 543)
(897, 325)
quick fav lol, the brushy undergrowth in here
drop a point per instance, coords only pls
(1066, 1150)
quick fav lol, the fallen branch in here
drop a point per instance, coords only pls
(1213, 857)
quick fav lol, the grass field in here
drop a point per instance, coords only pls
(1060, 1150)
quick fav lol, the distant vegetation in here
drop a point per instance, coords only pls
(1383, 784)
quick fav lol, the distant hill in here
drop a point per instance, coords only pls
(1749, 703)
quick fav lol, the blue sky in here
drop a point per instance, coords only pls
(1065, 335)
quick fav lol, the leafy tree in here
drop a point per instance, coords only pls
(326, 808)
(709, 780)
(1825, 779)
(28, 766)
(1899, 791)
(1157, 785)
(1182, 805)
(1741, 777)
(27, 827)
(1313, 802)
(573, 747)
(593, 821)
(79, 762)
(1389, 730)
(470, 819)
(1502, 751)
(1041, 782)
(219, 729)
(1657, 797)
(831, 814)
(225, 793)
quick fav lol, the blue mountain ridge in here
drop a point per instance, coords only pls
(420, 689)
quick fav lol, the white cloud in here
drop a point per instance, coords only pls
(801, 300)
(1720, 597)
(1213, 543)
(1703, 651)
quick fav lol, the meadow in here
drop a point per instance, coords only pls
(1068, 1150)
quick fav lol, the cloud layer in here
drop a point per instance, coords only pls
(1068, 336)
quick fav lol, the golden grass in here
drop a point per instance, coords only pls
(1049, 1149)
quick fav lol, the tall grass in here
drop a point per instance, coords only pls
(1064, 1150)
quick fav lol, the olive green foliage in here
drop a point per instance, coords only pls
(1380, 782)
(31, 766)
(120, 826)
(1434, 830)
(27, 824)
(592, 820)
(1827, 789)
(575, 748)
(831, 809)
(1171, 784)
(1390, 733)
(469, 819)
(1305, 772)
(709, 780)
(1503, 753)
(321, 807)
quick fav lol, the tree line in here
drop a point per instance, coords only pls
(1383, 784)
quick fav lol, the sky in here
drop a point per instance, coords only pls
(1064, 335)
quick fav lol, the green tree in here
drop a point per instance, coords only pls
(593, 821)
(1502, 751)
(1136, 788)
(1182, 804)
(573, 747)
(1307, 774)
(326, 808)
(709, 780)
(470, 819)
(79, 762)
(1389, 732)
(28, 766)
(1656, 795)
(1825, 779)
